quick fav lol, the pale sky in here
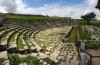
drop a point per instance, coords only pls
(63, 8)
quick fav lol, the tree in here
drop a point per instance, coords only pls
(98, 5)
(89, 17)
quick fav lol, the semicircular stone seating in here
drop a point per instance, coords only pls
(44, 38)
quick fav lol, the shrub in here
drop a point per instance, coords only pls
(92, 46)
(14, 59)
(51, 62)
(1, 60)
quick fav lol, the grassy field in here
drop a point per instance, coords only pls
(26, 16)
(83, 22)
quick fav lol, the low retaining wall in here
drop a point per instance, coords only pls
(65, 39)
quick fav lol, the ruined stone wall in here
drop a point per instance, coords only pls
(1, 16)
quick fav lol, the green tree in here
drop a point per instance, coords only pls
(89, 17)
(98, 5)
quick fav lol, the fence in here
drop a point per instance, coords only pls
(90, 60)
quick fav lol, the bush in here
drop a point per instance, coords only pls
(32, 60)
(92, 46)
(51, 62)
(1, 61)
(14, 59)
(84, 36)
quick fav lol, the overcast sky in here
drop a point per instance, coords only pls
(63, 8)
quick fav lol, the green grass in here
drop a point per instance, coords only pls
(83, 22)
(92, 46)
(4, 37)
(96, 23)
(51, 62)
(20, 42)
(26, 16)
(25, 37)
(13, 37)
(73, 35)
(84, 35)
(32, 60)
(16, 60)
(1, 60)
